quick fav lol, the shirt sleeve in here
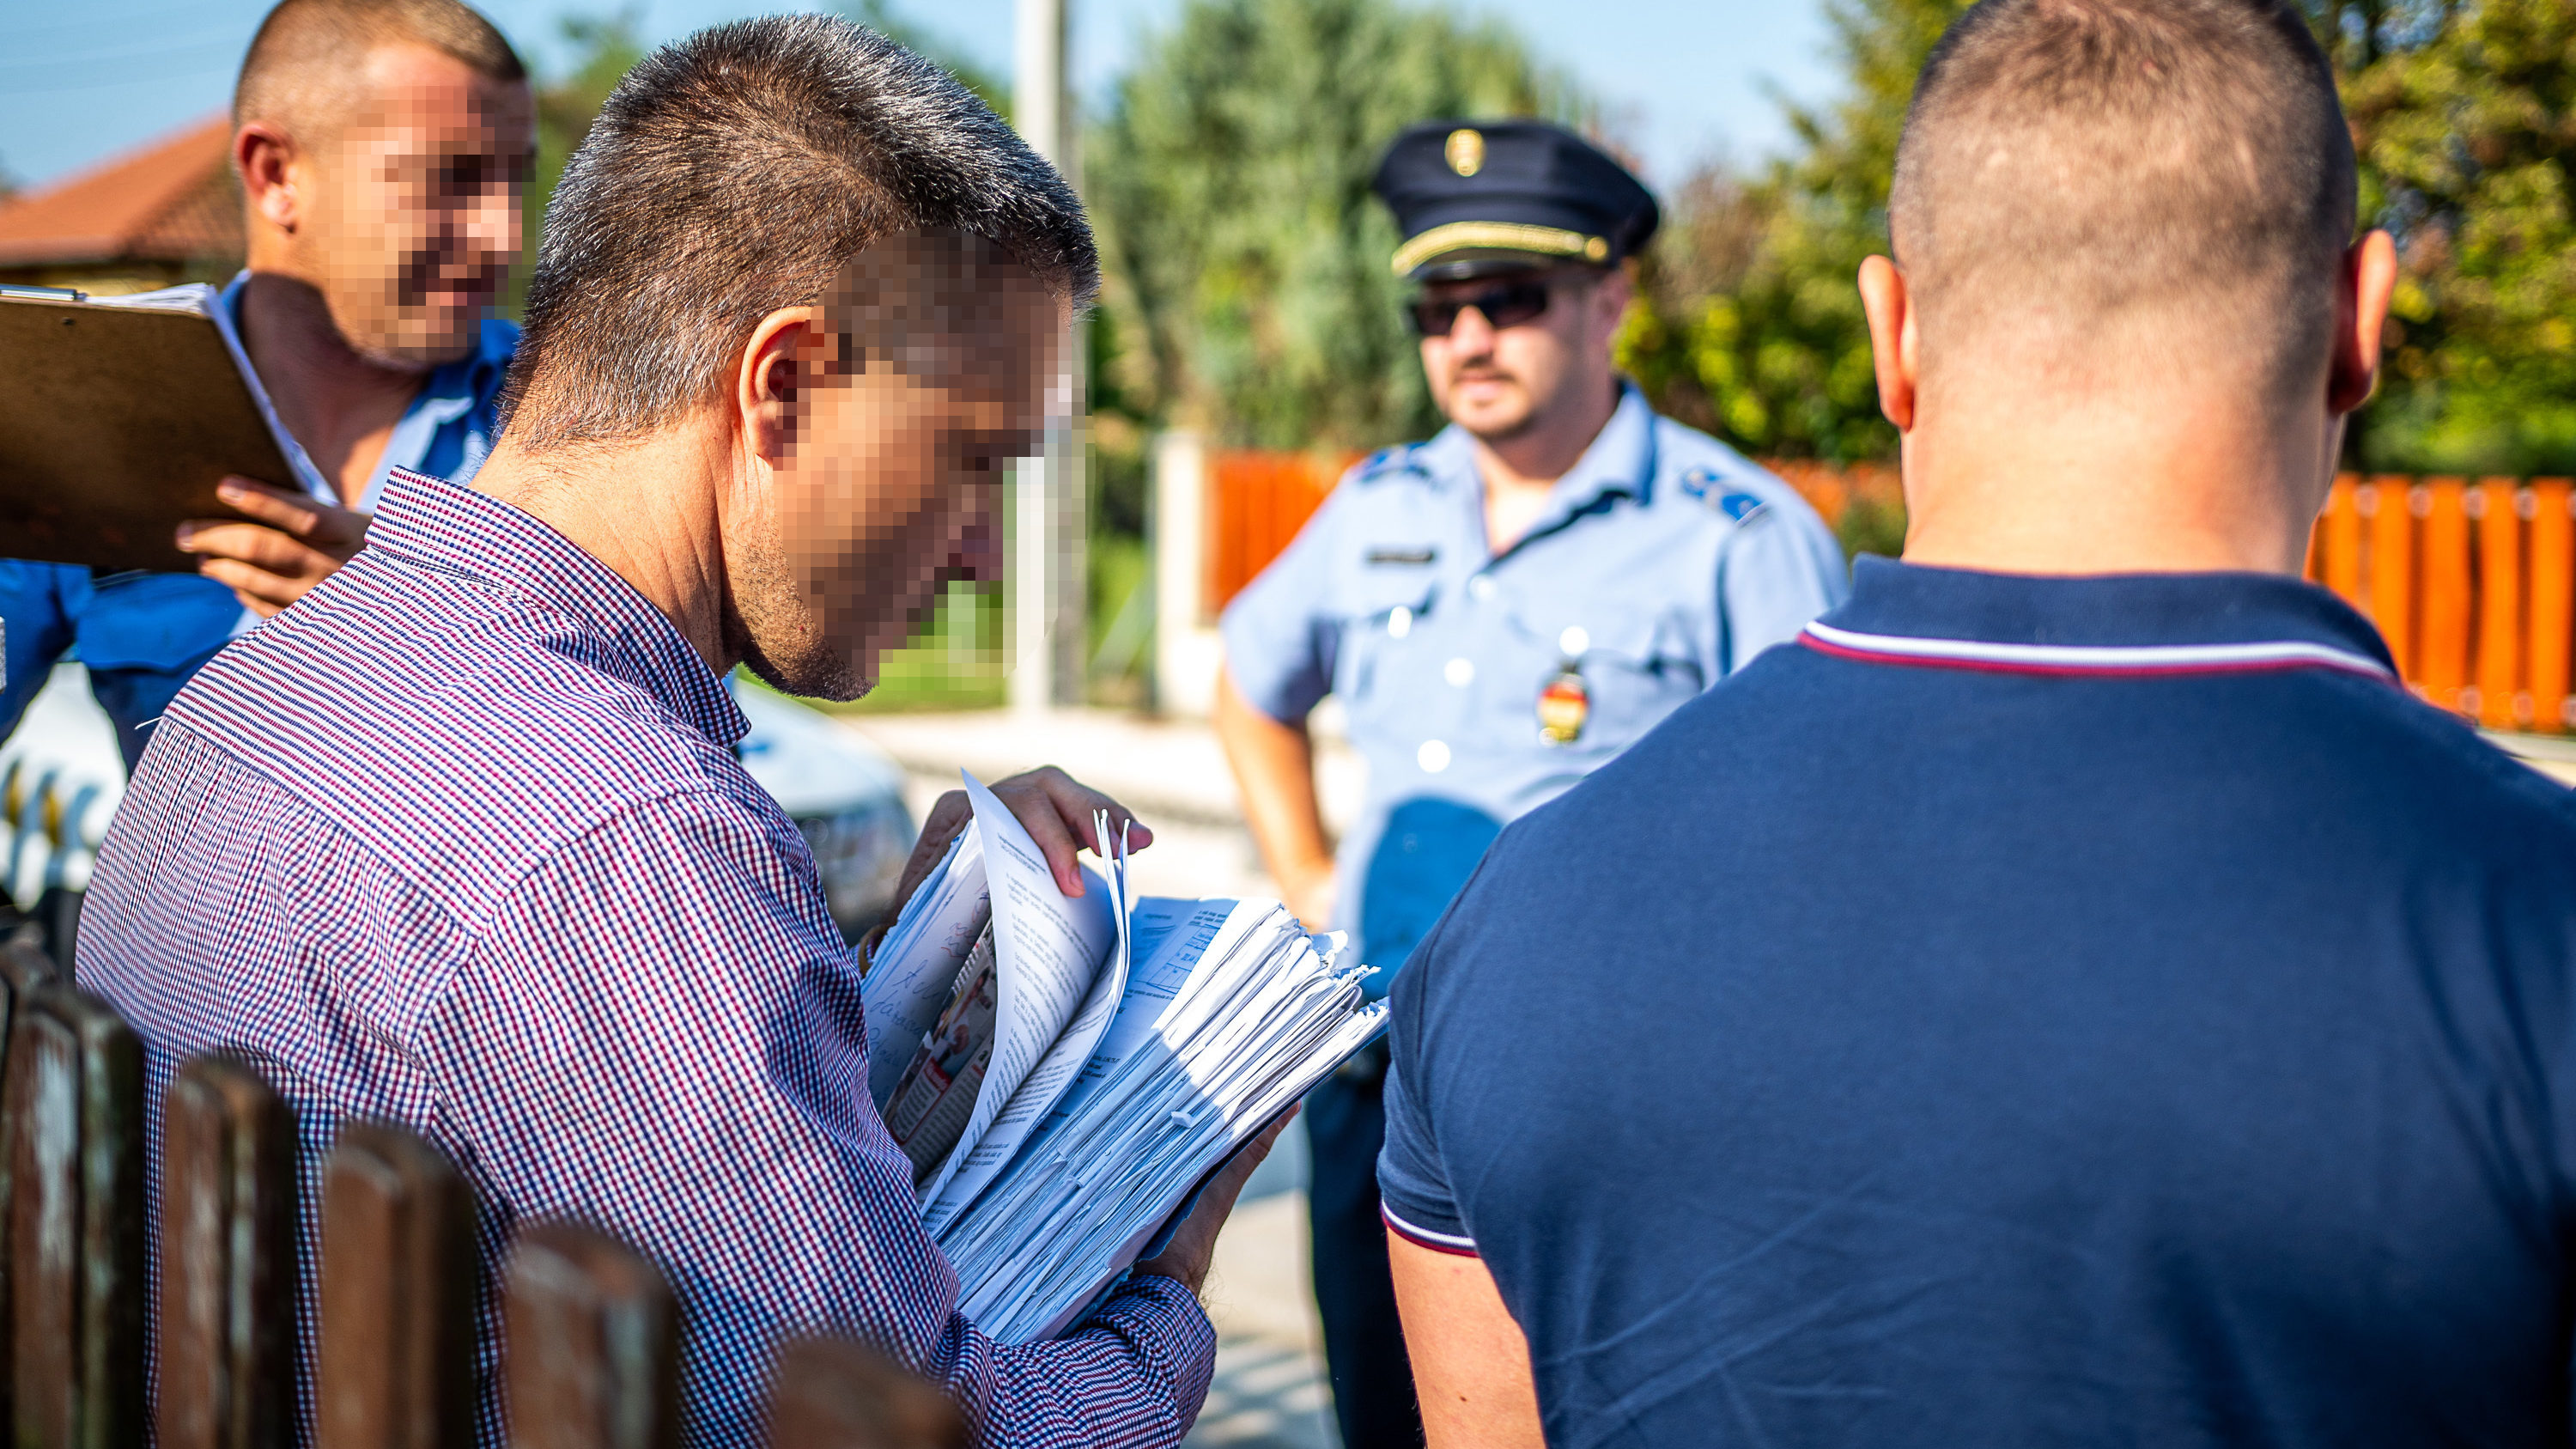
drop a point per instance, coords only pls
(1413, 1186)
(1281, 633)
(1779, 570)
(35, 629)
(660, 1033)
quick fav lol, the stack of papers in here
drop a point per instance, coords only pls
(1128, 1048)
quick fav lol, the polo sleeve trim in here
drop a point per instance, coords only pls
(1422, 1237)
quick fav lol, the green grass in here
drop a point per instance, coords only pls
(954, 662)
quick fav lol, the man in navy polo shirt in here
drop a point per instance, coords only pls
(2078, 997)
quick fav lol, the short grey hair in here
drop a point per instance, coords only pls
(738, 172)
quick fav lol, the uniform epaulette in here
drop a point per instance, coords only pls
(1705, 484)
(1388, 463)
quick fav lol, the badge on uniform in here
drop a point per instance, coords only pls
(1704, 484)
(1566, 702)
(1563, 706)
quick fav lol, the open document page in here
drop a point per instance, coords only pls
(916, 965)
(1064, 1071)
(1038, 1092)
(932, 1103)
(943, 1060)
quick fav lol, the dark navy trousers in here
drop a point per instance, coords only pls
(1372, 1378)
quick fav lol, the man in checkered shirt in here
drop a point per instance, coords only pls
(459, 840)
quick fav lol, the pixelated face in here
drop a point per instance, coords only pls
(934, 369)
(1501, 366)
(414, 218)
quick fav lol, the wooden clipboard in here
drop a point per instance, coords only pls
(115, 425)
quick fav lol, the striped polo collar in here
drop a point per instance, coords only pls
(456, 530)
(2101, 625)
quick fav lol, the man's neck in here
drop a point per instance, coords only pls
(1520, 471)
(649, 510)
(339, 404)
(2187, 486)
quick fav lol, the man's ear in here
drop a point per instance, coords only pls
(2362, 287)
(1605, 307)
(265, 157)
(786, 356)
(1892, 338)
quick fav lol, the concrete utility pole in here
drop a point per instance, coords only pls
(1049, 588)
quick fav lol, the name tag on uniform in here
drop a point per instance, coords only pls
(1413, 556)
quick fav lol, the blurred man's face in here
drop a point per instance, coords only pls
(412, 220)
(890, 487)
(1500, 369)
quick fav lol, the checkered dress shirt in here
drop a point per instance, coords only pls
(459, 842)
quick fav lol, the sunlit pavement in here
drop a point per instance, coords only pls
(1269, 1391)
(1170, 772)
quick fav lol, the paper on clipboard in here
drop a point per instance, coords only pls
(124, 413)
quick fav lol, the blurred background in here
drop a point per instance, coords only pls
(1225, 145)
(1249, 345)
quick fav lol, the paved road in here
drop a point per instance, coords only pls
(1269, 1391)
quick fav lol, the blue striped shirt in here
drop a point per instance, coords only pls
(459, 842)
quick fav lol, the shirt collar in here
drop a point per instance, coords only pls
(455, 530)
(1619, 460)
(450, 392)
(2107, 623)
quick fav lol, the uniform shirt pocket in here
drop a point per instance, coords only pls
(1635, 669)
(1383, 632)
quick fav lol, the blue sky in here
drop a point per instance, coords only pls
(1683, 77)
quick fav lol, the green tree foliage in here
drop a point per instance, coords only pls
(604, 50)
(1248, 286)
(2465, 115)
(2466, 118)
(1751, 326)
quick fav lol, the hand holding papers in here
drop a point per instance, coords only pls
(1104, 1093)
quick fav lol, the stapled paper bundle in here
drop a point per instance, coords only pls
(1065, 1070)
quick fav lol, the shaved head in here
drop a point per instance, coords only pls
(383, 146)
(2161, 181)
(303, 66)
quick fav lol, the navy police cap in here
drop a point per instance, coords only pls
(1472, 197)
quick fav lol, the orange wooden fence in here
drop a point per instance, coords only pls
(1829, 490)
(1261, 500)
(2473, 583)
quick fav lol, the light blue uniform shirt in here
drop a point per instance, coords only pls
(142, 634)
(1663, 562)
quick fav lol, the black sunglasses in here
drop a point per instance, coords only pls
(1508, 304)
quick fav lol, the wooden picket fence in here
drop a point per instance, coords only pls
(591, 1332)
(2472, 583)
(1260, 500)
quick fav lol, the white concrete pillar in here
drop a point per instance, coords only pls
(1050, 586)
(1186, 649)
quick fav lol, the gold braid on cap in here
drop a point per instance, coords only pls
(1503, 236)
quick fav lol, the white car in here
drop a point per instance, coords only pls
(61, 778)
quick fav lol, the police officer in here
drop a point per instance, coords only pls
(1500, 610)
